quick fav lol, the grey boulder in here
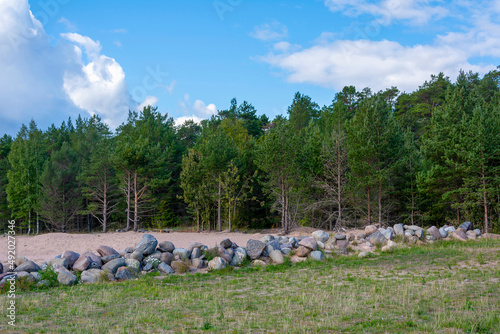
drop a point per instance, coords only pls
(147, 245)
(28, 266)
(254, 248)
(113, 265)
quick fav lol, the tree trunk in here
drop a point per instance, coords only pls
(128, 201)
(485, 204)
(369, 208)
(37, 224)
(136, 204)
(219, 208)
(29, 222)
(198, 219)
(380, 203)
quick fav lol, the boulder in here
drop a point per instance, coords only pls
(342, 244)
(302, 251)
(286, 251)
(370, 229)
(471, 235)
(320, 235)
(277, 257)
(459, 234)
(28, 266)
(113, 265)
(309, 243)
(107, 258)
(133, 264)
(409, 233)
(167, 258)
(194, 245)
(147, 245)
(217, 263)
(71, 256)
(92, 276)
(1, 268)
(273, 245)
(182, 253)
(198, 263)
(387, 233)
(58, 261)
(240, 254)
(136, 256)
(94, 265)
(450, 229)
(195, 253)
(165, 269)
(296, 259)
(467, 226)
(20, 260)
(223, 253)
(94, 258)
(443, 232)
(316, 255)
(412, 227)
(64, 276)
(258, 263)
(166, 246)
(226, 243)
(434, 232)
(254, 248)
(478, 232)
(125, 273)
(129, 250)
(105, 251)
(377, 239)
(340, 237)
(265, 239)
(419, 233)
(82, 263)
(399, 229)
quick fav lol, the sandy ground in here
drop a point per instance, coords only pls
(46, 246)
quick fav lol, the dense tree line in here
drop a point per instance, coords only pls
(427, 157)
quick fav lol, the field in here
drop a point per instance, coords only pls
(446, 287)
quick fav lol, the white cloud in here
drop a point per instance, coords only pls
(375, 64)
(270, 31)
(417, 12)
(148, 101)
(197, 111)
(118, 43)
(67, 23)
(170, 88)
(49, 82)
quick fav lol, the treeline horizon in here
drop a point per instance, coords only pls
(430, 157)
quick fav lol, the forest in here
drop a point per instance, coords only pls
(429, 157)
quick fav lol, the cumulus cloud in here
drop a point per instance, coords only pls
(148, 101)
(196, 111)
(417, 12)
(49, 82)
(270, 31)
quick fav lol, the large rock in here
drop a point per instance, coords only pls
(478, 232)
(467, 226)
(223, 253)
(82, 263)
(302, 251)
(409, 233)
(165, 269)
(166, 246)
(340, 236)
(194, 245)
(434, 232)
(105, 251)
(133, 264)
(412, 227)
(265, 239)
(94, 258)
(92, 276)
(450, 229)
(125, 273)
(195, 253)
(226, 243)
(182, 253)
(64, 276)
(277, 257)
(198, 263)
(387, 233)
(316, 255)
(399, 229)
(167, 257)
(58, 261)
(107, 258)
(370, 229)
(471, 235)
(320, 235)
(377, 239)
(217, 263)
(443, 232)
(254, 248)
(342, 245)
(136, 256)
(180, 267)
(240, 254)
(29, 267)
(273, 245)
(113, 265)
(459, 234)
(147, 245)
(71, 256)
(419, 233)
(309, 243)
(1, 268)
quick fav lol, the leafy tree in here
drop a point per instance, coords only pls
(5, 146)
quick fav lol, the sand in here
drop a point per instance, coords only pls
(44, 247)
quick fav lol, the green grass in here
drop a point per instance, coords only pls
(446, 287)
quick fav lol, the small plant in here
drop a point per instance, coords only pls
(480, 259)
(206, 326)
(210, 253)
(49, 275)
(153, 261)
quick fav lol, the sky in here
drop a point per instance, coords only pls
(61, 58)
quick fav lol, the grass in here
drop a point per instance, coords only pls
(446, 287)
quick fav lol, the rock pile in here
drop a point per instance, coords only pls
(149, 255)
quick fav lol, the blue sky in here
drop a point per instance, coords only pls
(59, 58)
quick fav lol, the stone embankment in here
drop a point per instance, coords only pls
(149, 255)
